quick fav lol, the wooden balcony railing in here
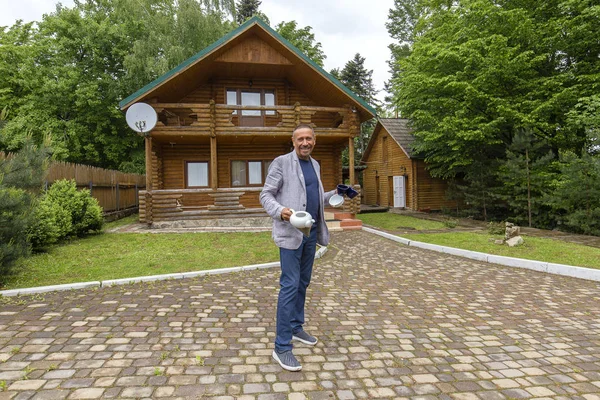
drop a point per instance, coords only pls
(223, 119)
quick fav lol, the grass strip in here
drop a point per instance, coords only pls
(125, 255)
(391, 222)
(534, 248)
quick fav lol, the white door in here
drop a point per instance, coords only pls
(399, 192)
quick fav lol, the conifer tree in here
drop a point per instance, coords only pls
(246, 9)
(360, 80)
(21, 176)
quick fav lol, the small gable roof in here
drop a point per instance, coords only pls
(301, 71)
(399, 129)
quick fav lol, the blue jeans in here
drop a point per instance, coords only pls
(296, 270)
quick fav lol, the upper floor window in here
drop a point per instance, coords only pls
(252, 97)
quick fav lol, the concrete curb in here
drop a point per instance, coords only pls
(44, 289)
(125, 281)
(541, 266)
(321, 251)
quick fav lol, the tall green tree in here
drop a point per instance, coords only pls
(303, 39)
(478, 71)
(174, 32)
(576, 198)
(526, 176)
(21, 176)
(360, 80)
(16, 47)
(71, 70)
(401, 26)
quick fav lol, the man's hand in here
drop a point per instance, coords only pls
(286, 213)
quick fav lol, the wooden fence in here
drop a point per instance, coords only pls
(114, 190)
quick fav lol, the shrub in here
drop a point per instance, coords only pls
(49, 223)
(62, 212)
(450, 223)
(64, 194)
(90, 218)
(496, 228)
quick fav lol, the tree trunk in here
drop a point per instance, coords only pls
(528, 186)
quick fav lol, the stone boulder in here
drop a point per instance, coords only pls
(511, 231)
(515, 241)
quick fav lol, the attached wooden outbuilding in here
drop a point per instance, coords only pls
(395, 176)
(227, 112)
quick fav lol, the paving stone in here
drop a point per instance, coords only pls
(88, 393)
(393, 322)
(51, 395)
(251, 388)
(137, 392)
(27, 385)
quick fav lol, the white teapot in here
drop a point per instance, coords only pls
(301, 219)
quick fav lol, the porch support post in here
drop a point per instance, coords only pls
(148, 142)
(351, 160)
(213, 146)
(213, 163)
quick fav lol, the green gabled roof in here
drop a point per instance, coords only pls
(252, 21)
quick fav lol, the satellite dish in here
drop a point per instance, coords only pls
(141, 117)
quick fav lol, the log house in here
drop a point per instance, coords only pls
(227, 112)
(395, 176)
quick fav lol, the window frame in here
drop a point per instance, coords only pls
(265, 164)
(261, 91)
(186, 174)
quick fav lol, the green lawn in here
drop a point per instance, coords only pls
(541, 249)
(392, 222)
(121, 222)
(126, 255)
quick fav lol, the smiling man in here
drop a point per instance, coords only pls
(294, 183)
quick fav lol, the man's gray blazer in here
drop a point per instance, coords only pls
(285, 187)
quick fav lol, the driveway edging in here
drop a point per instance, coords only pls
(541, 266)
(125, 281)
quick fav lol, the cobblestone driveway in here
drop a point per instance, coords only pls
(393, 322)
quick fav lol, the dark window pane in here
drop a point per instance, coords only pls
(238, 173)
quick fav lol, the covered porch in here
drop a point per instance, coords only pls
(233, 159)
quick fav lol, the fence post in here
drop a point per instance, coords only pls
(137, 199)
(117, 186)
(91, 186)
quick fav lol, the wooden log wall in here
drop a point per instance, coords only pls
(386, 163)
(285, 94)
(173, 162)
(175, 156)
(431, 191)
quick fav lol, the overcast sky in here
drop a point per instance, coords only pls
(344, 27)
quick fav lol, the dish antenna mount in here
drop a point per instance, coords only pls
(141, 117)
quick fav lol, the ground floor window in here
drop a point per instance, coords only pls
(196, 174)
(249, 172)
